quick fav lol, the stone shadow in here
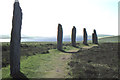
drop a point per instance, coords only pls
(76, 46)
(18, 76)
(71, 51)
(86, 44)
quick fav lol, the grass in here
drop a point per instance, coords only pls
(48, 65)
(99, 61)
(32, 48)
(42, 64)
(27, 49)
(112, 39)
(39, 65)
(43, 60)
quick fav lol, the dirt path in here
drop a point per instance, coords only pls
(61, 69)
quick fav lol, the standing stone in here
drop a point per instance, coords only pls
(15, 40)
(84, 36)
(73, 37)
(95, 37)
(59, 37)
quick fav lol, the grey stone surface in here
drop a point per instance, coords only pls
(59, 37)
(15, 40)
(16, 1)
(85, 36)
(95, 37)
(73, 36)
(0, 60)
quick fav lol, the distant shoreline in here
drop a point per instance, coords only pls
(52, 39)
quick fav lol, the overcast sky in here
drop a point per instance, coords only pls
(41, 17)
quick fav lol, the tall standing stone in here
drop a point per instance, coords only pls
(59, 37)
(73, 37)
(95, 37)
(15, 40)
(84, 36)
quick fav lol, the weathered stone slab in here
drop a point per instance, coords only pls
(15, 40)
(95, 37)
(85, 36)
(73, 37)
(59, 37)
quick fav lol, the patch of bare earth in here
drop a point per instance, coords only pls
(61, 67)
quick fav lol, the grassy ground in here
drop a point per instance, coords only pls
(49, 63)
(27, 49)
(43, 60)
(43, 65)
(100, 61)
(112, 39)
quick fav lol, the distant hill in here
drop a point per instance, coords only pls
(102, 36)
(110, 39)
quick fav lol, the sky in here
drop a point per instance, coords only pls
(41, 17)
